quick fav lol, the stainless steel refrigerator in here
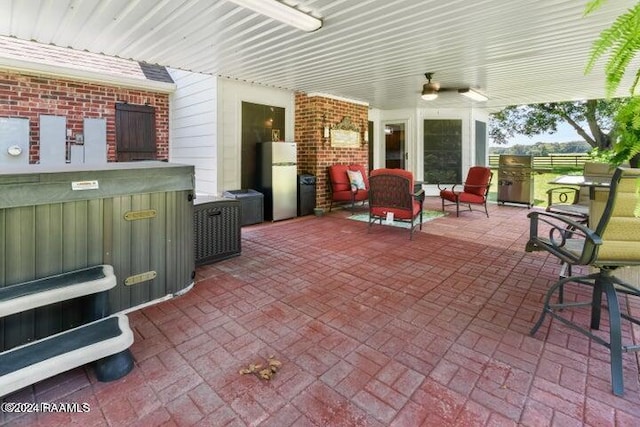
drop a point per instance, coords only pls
(278, 179)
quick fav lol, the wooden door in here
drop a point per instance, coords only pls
(135, 132)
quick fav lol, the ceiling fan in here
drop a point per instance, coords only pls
(430, 90)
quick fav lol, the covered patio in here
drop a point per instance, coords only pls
(371, 329)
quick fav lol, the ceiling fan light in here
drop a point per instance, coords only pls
(473, 94)
(429, 93)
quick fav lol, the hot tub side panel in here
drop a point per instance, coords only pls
(146, 236)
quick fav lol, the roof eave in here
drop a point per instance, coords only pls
(30, 67)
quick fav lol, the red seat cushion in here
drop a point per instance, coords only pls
(471, 198)
(341, 186)
(477, 180)
(397, 213)
(448, 195)
(339, 178)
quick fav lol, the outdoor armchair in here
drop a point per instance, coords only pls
(391, 194)
(348, 183)
(473, 191)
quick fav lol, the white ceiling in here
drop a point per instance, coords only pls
(375, 51)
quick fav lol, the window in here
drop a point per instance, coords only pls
(442, 151)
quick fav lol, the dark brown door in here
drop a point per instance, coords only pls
(394, 142)
(135, 132)
(260, 123)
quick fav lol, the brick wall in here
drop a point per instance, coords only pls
(315, 153)
(29, 96)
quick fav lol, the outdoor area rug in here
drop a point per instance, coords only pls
(427, 215)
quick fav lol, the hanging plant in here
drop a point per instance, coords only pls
(622, 41)
(627, 121)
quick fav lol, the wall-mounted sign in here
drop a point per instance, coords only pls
(345, 134)
(84, 185)
(344, 138)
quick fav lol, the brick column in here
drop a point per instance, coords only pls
(315, 153)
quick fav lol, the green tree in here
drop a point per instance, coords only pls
(591, 119)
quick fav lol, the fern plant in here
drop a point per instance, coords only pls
(628, 130)
(622, 41)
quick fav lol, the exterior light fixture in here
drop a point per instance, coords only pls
(429, 95)
(325, 126)
(326, 130)
(365, 132)
(281, 12)
(473, 94)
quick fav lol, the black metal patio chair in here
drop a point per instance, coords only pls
(614, 243)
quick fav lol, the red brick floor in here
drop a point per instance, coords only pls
(372, 330)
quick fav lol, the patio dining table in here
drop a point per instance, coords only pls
(598, 192)
(581, 180)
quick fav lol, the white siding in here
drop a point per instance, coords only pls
(193, 127)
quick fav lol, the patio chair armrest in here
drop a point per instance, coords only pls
(565, 238)
(444, 188)
(476, 185)
(419, 196)
(563, 194)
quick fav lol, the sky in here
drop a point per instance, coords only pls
(565, 134)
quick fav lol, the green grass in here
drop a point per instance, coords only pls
(540, 183)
